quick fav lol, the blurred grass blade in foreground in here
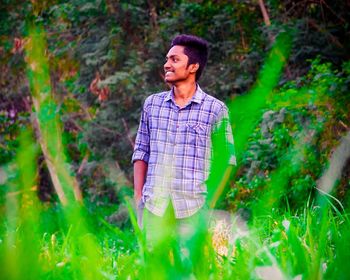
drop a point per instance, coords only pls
(21, 249)
(46, 117)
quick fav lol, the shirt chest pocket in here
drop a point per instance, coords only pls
(198, 134)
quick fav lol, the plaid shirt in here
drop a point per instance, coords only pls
(177, 145)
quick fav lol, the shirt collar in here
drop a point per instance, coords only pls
(197, 97)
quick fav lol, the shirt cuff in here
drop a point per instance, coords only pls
(140, 155)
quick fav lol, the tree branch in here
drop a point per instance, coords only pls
(264, 13)
(128, 133)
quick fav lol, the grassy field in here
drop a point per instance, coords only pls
(39, 243)
(66, 241)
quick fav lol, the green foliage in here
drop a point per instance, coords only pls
(126, 41)
(295, 127)
(306, 244)
(310, 107)
(8, 134)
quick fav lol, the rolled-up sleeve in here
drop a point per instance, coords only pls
(141, 149)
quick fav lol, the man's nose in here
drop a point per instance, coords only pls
(166, 65)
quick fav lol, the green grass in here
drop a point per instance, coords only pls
(312, 244)
(56, 242)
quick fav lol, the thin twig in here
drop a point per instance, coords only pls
(319, 29)
(128, 133)
(108, 130)
(333, 12)
(264, 13)
(244, 44)
(83, 163)
(344, 125)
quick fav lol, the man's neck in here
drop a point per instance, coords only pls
(184, 92)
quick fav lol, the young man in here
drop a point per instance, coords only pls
(174, 144)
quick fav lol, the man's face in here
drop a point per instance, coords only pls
(175, 67)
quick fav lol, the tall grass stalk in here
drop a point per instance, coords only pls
(246, 110)
(85, 253)
(20, 254)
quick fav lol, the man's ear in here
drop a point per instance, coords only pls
(194, 67)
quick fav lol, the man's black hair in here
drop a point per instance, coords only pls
(195, 48)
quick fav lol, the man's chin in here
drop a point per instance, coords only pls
(169, 81)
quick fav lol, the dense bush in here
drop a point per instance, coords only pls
(298, 131)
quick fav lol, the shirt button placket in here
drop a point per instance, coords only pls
(173, 163)
(176, 132)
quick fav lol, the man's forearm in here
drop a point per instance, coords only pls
(140, 172)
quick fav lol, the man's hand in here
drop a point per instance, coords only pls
(137, 199)
(140, 171)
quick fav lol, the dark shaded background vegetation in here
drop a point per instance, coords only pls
(106, 57)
